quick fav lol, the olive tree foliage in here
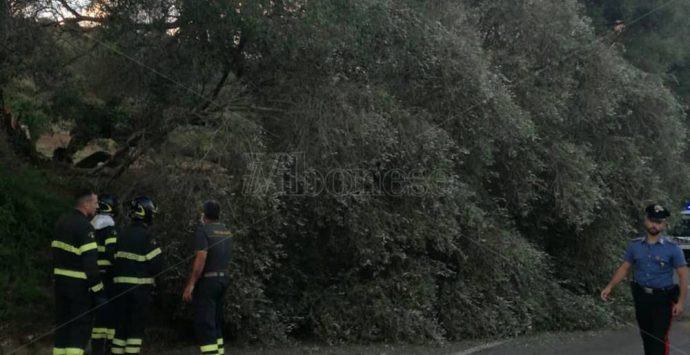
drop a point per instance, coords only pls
(652, 37)
(612, 137)
(391, 170)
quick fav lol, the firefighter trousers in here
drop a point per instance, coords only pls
(207, 304)
(73, 316)
(131, 311)
(104, 324)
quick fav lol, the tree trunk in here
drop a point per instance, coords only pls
(4, 41)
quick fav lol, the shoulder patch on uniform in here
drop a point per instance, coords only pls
(91, 235)
(669, 240)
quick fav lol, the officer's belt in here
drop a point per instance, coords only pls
(655, 291)
(216, 274)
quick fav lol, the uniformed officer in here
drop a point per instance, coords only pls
(106, 238)
(209, 279)
(137, 261)
(653, 259)
(77, 280)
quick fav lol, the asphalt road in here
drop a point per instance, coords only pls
(625, 341)
(622, 341)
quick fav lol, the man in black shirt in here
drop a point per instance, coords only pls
(77, 280)
(209, 279)
(137, 262)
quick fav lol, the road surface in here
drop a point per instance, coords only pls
(624, 341)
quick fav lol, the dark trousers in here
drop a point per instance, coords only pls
(131, 311)
(654, 314)
(207, 303)
(104, 324)
(72, 315)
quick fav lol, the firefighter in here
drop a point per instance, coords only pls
(137, 261)
(77, 280)
(209, 279)
(106, 238)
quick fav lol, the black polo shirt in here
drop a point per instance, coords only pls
(216, 240)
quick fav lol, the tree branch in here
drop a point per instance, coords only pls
(79, 17)
(132, 142)
(216, 90)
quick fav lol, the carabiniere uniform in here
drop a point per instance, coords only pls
(653, 288)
